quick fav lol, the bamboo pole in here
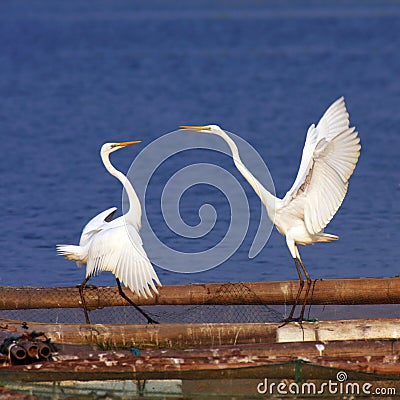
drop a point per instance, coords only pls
(192, 335)
(162, 335)
(330, 291)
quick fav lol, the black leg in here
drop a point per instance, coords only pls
(80, 287)
(311, 296)
(301, 285)
(307, 290)
(123, 295)
(296, 261)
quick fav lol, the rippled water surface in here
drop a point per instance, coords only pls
(74, 75)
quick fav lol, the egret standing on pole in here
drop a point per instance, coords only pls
(115, 245)
(329, 157)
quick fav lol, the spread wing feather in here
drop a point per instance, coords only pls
(329, 157)
(96, 224)
(123, 254)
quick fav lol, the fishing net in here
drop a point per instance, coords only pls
(251, 309)
(248, 308)
(302, 380)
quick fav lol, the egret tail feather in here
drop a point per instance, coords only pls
(72, 252)
(326, 237)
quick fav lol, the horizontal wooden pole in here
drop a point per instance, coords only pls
(142, 335)
(329, 291)
(211, 334)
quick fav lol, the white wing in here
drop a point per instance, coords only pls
(329, 157)
(115, 250)
(93, 227)
(96, 224)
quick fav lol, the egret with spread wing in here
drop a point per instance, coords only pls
(115, 245)
(329, 157)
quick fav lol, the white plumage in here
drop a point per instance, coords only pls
(115, 245)
(119, 249)
(329, 157)
(94, 226)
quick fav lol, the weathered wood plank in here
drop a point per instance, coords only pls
(161, 335)
(340, 330)
(255, 361)
(191, 335)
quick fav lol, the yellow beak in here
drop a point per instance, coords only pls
(196, 128)
(124, 144)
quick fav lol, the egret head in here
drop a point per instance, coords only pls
(108, 148)
(213, 129)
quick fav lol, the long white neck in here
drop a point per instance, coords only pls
(268, 199)
(134, 214)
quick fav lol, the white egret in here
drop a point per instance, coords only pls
(329, 157)
(115, 245)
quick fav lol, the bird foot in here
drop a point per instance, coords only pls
(287, 320)
(81, 286)
(299, 320)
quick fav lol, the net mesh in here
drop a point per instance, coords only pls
(250, 309)
(202, 313)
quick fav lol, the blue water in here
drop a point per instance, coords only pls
(76, 74)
